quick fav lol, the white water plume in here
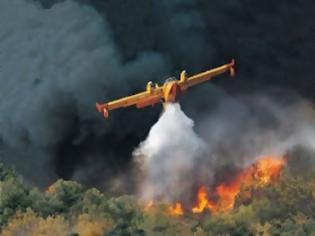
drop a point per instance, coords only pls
(168, 155)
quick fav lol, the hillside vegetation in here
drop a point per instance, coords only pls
(286, 207)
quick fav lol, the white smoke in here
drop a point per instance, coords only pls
(241, 129)
(169, 154)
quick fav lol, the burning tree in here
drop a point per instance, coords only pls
(222, 196)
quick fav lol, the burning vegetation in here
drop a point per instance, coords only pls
(222, 198)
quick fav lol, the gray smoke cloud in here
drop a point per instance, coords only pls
(175, 157)
(175, 28)
(241, 129)
(55, 64)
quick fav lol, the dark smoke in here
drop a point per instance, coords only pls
(56, 63)
(59, 57)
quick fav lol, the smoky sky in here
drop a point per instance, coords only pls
(59, 57)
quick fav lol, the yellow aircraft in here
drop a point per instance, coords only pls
(168, 92)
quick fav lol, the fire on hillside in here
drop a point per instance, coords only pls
(221, 197)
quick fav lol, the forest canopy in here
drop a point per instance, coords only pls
(285, 207)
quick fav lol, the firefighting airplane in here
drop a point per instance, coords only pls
(168, 92)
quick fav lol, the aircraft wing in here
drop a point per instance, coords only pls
(185, 83)
(143, 99)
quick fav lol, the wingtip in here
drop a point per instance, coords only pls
(98, 107)
(232, 67)
(105, 113)
(103, 109)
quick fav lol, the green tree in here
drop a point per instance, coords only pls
(13, 195)
(62, 196)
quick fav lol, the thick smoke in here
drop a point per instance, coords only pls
(175, 159)
(57, 58)
(249, 126)
(175, 28)
(55, 64)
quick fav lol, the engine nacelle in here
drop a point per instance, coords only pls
(183, 76)
(149, 87)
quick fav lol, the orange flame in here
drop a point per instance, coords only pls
(202, 201)
(264, 171)
(177, 210)
(268, 168)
